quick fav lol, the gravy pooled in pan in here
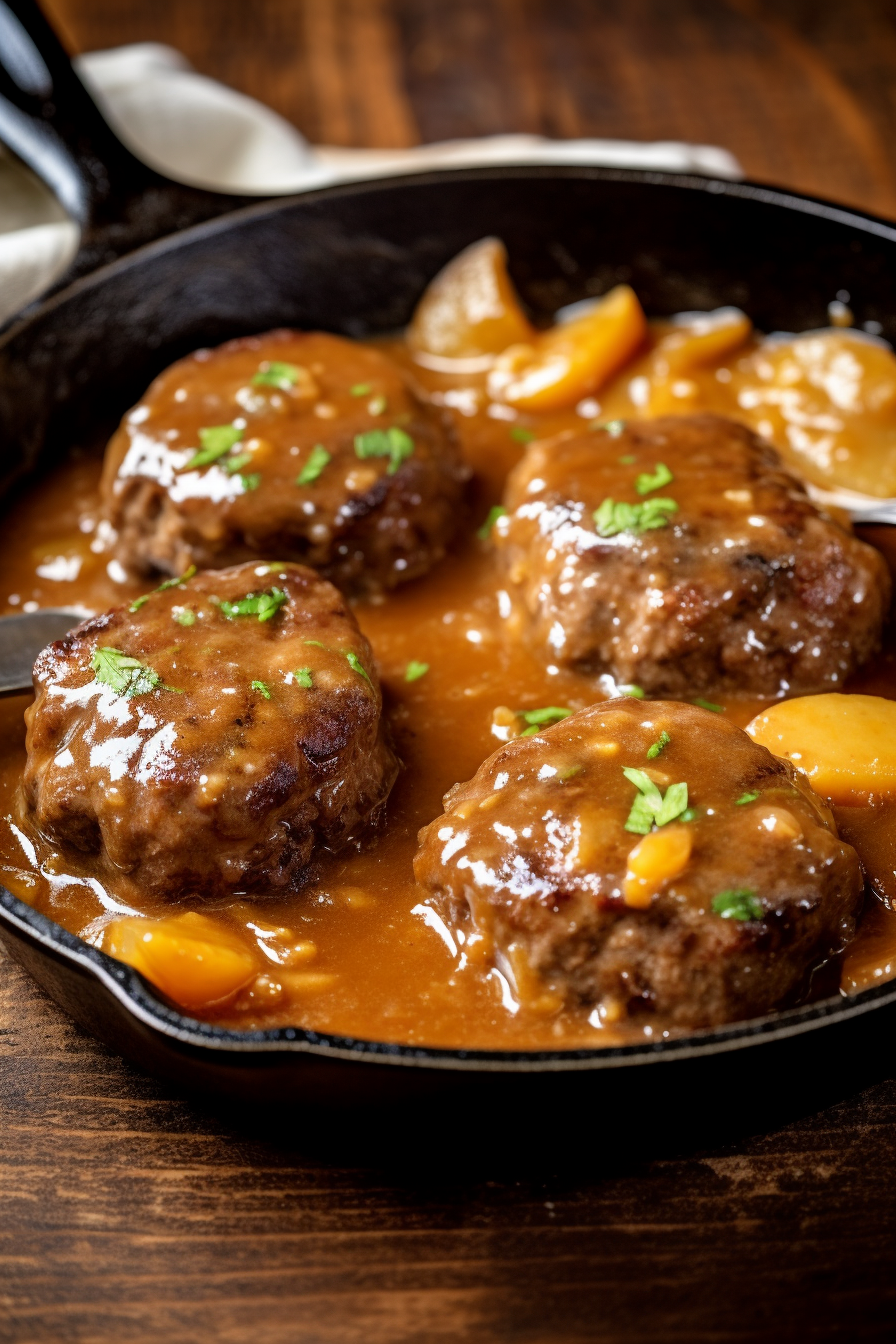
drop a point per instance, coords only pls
(254, 874)
(297, 445)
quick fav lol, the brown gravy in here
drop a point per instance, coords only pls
(376, 964)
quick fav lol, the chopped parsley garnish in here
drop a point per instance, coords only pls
(569, 773)
(414, 670)
(749, 797)
(234, 464)
(275, 374)
(262, 605)
(522, 435)
(356, 665)
(651, 806)
(690, 814)
(612, 427)
(185, 616)
(393, 443)
(262, 688)
(216, 440)
(317, 460)
(662, 741)
(495, 512)
(614, 516)
(537, 718)
(733, 904)
(627, 459)
(250, 482)
(163, 588)
(376, 405)
(708, 704)
(302, 677)
(126, 675)
(647, 482)
(361, 389)
(636, 692)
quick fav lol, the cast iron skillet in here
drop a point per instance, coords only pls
(355, 260)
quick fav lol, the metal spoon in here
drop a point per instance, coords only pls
(22, 638)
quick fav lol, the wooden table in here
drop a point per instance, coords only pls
(128, 1213)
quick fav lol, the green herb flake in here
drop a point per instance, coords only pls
(315, 643)
(734, 904)
(216, 440)
(317, 460)
(361, 389)
(522, 435)
(250, 482)
(302, 677)
(393, 443)
(648, 481)
(185, 616)
(263, 605)
(414, 670)
(495, 512)
(163, 588)
(376, 405)
(708, 704)
(614, 516)
(662, 741)
(746, 798)
(274, 374)
(612, 427)
(262, 688)
(126, 675)
(356, 665)
(651, 806)
(234, 464)
(569, 773)
(539, 718)
(635, 692)
(690, 814)
(627, 459)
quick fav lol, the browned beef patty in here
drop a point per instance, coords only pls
(209, 741)
(679, 555)
(297, 444)
(711, 911)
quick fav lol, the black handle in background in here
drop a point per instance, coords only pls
(49, 119)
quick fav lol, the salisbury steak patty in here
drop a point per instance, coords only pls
(296, 444)
(701, 887)
(208, 738)
(679, 555)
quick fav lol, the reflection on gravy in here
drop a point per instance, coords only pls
(357, 953)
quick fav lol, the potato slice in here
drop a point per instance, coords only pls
(572, 359)
(191, 958)
(700, 339)
(655, 860)
(470, 309)
(845, 744)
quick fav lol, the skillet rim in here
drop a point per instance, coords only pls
(135, 994)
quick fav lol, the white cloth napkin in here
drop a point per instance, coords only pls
(197, 131)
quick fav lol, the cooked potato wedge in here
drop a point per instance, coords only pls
(470, 309)
(191, 958)
(845, 744)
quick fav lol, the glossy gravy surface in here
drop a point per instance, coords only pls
(357, 953)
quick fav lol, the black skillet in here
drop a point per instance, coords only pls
(355, 260)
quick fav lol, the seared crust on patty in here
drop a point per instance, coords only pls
(715, 913)
(741, 585)
(211, 740)
(303, 478)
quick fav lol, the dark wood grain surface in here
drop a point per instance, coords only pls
(130, 1213)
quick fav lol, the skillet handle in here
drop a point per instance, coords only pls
(49, 119)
